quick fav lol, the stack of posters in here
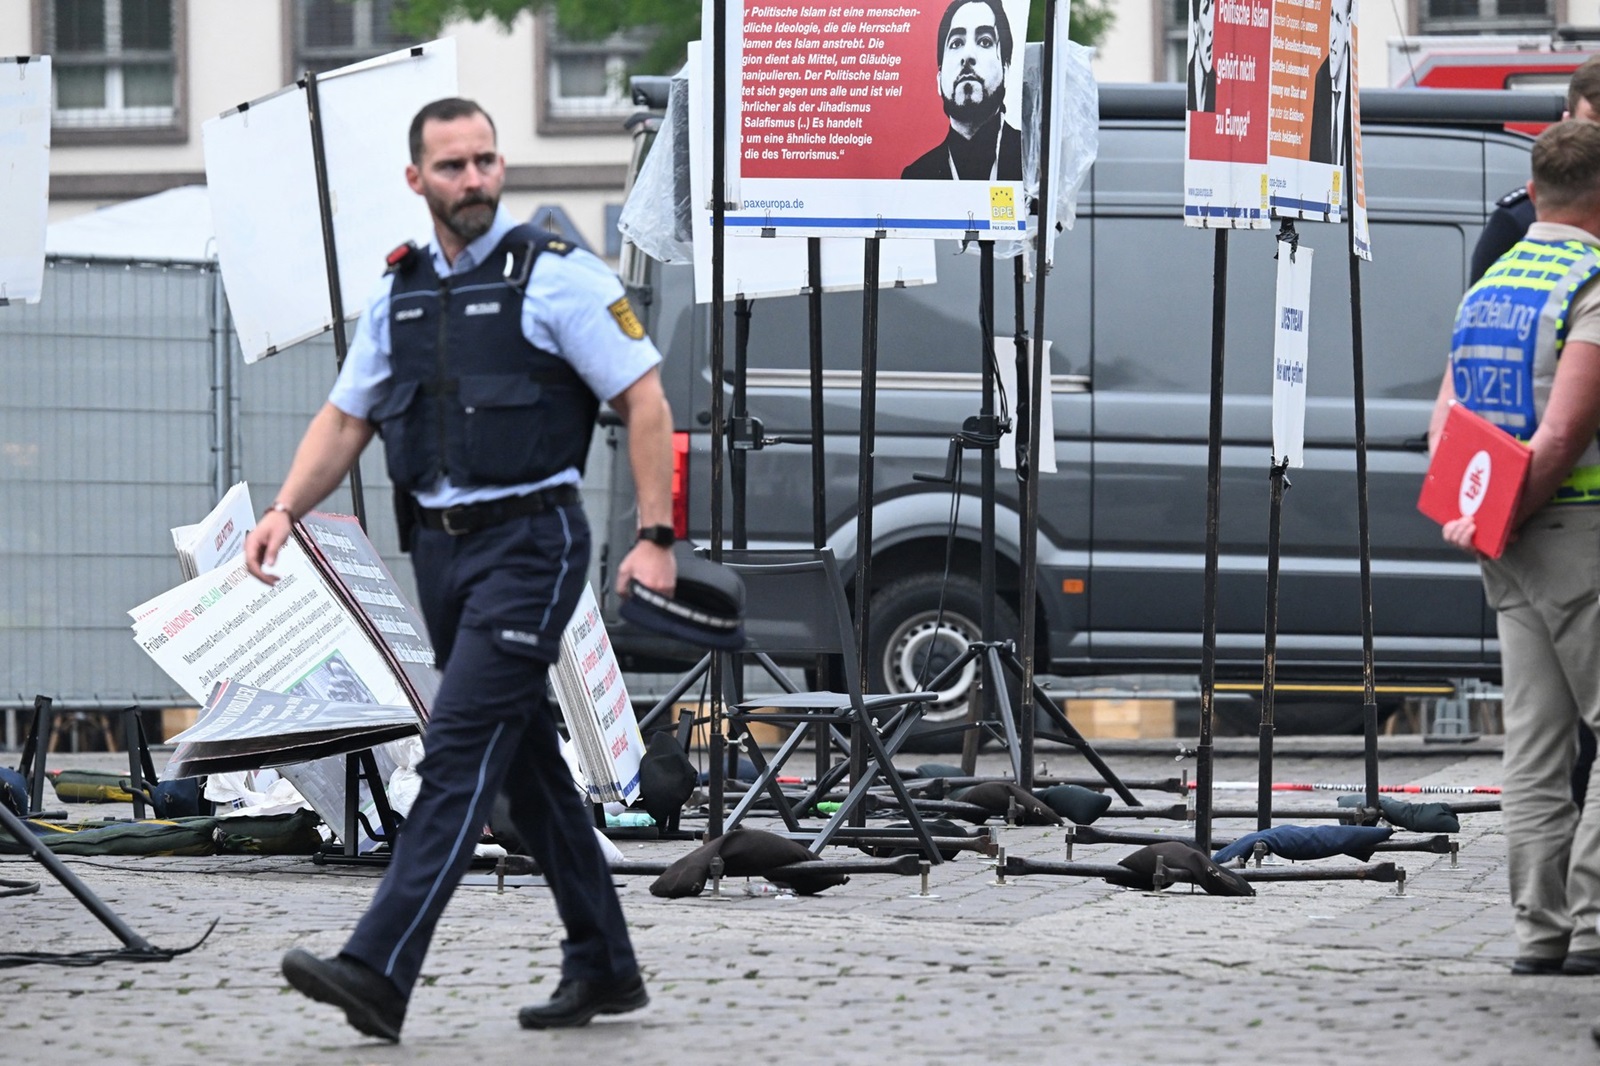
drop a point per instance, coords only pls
(246, 728)
(333, 659)
(218, 537)
(335, 628)
(594, 701)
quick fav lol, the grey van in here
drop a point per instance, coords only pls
(1122, 522)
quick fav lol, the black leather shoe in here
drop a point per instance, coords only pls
(576, 1002)
(369, 1000)
(1534, 966)
(1577, 965)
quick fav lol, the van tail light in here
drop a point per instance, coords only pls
(680, 485)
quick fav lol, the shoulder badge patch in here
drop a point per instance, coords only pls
(557, 246)
(629, 322)
(1514, 197)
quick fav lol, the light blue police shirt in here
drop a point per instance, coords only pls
(565, 310)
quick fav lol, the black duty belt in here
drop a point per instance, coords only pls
(471, 517)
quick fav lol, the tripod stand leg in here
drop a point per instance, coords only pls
(380, 796)
(995, 675)
(677, 690)
(58, 869)
(34, 748)
(133, 741)
(1076, 739)
(974, 713)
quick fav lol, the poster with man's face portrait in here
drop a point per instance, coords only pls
(900, 119)
(1227, 77)
(1313, 55)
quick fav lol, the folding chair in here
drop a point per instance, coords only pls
(795, 606)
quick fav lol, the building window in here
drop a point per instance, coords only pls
(586, 82)
(1488, 16)
(115, 63)
(1175, 40)
(335, 33)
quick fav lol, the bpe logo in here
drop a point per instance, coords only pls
(1474, 485)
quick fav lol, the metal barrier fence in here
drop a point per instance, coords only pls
(126, 409)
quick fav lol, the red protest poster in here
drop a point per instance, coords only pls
(1225, 173)
(900, 117)
(833, 93)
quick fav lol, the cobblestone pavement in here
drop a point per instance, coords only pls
(1041, 970)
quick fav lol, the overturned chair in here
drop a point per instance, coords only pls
(795, 606)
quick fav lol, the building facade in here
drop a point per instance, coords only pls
(136, 80)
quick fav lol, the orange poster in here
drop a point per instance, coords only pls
(1308, 130)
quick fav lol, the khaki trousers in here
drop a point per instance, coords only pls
(1546, 592)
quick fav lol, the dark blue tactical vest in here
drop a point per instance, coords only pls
(470, 398)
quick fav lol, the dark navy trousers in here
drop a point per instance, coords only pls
(496, 602)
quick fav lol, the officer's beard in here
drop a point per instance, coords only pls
(469, 218)
(975, 112)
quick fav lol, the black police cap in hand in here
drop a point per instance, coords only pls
(706, 610)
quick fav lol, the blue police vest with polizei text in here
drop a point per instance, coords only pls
(1509, 333)
(470, 398)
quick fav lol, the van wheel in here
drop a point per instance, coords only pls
(911, 643)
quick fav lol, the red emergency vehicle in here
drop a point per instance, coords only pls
(1536, 63)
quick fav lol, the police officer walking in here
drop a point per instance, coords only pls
(1526, 355)
(481, 362)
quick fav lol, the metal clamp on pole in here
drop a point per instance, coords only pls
(981, 432)
(744, 434)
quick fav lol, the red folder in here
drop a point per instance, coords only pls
(1477, 470)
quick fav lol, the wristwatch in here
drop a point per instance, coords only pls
(278, 505)
(662, 536)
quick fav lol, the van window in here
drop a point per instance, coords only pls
(929, 328)
(1411, 289)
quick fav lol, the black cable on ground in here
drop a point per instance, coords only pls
(95, 958)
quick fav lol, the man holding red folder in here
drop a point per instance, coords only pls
(1525, 355)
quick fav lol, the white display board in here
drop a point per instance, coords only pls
(1006, 363)
(1291, 344)
(845, 128)
(755, 267)
(262, 177)
(24, 175)
(1055, 136)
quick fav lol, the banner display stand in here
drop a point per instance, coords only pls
(25, 92)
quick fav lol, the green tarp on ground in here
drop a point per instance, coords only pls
(273, 834)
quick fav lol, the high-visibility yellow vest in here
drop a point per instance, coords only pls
(1509, 333)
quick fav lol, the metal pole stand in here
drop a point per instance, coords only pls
(135, 947)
